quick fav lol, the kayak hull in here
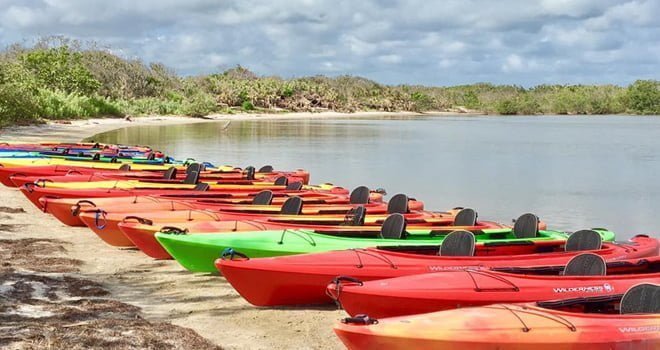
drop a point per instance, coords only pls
(505, 326)
(266, 282)
(424, 293)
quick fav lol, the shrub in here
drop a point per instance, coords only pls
(59, 105)
(18, 104)
(421, 102)
(247, 106)
(199, 105)
(506, 107)
(60, 68)
(644, 97)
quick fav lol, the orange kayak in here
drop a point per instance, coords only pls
(66, 210)
(561, 325)
(106, 224)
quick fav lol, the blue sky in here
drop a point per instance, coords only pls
(416, 42)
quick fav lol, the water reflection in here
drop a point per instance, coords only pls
(575, 172)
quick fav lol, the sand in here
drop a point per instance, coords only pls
(76, 130)
(157, 292)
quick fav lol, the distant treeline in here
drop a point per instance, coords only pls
(59, 78)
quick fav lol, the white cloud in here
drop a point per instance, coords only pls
(414, 41)
(390, 59)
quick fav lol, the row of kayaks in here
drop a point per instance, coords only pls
(408, 277)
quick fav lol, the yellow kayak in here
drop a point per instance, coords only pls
(136, 184)
(23, 162)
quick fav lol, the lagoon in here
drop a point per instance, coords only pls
(573, 171)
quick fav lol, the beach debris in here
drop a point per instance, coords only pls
(8, 210)
(50, 308)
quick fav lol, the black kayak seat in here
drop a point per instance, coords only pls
(360, 195)
(583, 240)
(355, 216)
(97, 156)
(458, 243)
(202, 187)
(170, 174)
(249, 172)
(191, 178)
(394, 227)
(266, 169)
(466, 217)
(125, 167)
(281, 181)
(643, 298)
(294, 186)
(526, 226)
(586, 264)
(196, 167)
(398, 204)
(292, 206)
(263, 198)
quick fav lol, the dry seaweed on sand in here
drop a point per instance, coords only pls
(8, 210)
(47, 308)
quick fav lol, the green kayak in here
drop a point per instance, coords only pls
(197, 252)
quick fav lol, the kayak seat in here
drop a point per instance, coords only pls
(360, 195)
(191, 178)
(586, 264)
(294, 186)
(266, 169)
(394, 227)
(643, 298)
(249, 172)
(202, 187)
(170, 174)
(292, 206)
(125, 167)
(466, 217)
(526, 226)
(583, 240)
(263, 198)
(281, 181)
(355, 216)
(398, 204)
(96, 157)
(193, 167)
(458, 243)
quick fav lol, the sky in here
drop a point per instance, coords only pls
(429, 42)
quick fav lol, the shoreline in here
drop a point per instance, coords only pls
(79, 129)
(163, 291)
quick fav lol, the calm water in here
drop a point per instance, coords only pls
(574, 172)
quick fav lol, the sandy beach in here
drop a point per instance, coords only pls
(136, 287)
(76, 130)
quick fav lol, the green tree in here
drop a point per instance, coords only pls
(644, 97)
(60, 68)
(18, 89)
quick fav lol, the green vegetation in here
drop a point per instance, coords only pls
(61, 79)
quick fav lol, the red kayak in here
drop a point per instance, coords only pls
(35, 192)
(17, 176)
(142, 234)
(233, 178)
(49, 170)
(302, 279)
(432, 292)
